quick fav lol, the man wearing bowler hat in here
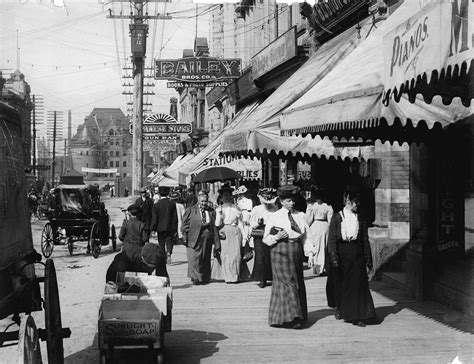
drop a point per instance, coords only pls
(165, 222)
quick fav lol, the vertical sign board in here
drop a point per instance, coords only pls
(450, 207)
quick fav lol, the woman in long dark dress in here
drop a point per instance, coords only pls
(286, 233)
(261, 214)
(350, 256)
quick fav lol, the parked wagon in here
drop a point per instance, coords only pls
(20, 287)
(78, 215)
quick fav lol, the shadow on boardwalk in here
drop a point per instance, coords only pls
(429, 309)
(194, 346)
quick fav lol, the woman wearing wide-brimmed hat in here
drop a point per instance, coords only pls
(287, 232)
(261, 214)
(318, 216)
(229, 221)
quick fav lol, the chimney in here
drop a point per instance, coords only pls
(174, 107)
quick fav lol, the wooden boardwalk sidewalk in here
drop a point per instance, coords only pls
(227, 323)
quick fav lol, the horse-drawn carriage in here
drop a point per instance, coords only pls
(77, 215)
(20, 287)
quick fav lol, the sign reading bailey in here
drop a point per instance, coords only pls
(197, 69)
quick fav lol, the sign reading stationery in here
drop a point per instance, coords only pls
(441, 34)
(197, 69)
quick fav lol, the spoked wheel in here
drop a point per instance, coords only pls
(94, 241)
(47, 240)
(29, 351)
(113, 237)
(70, 245)
(54, 331)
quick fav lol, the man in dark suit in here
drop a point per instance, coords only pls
(165, 222)
(145, 203)
(199, 233)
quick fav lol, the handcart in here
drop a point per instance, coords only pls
(135, 320)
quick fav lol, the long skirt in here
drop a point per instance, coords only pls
(355, 298)
(230, 253)
(288, 298)
(320, 234)
(199, 258)
(262, 266)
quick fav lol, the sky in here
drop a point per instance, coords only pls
(73, 56)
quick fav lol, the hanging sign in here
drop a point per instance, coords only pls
(197, 69)
(276, 53)
(161, 137)
(437, 36)
(197, 84)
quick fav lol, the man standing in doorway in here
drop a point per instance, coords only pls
(165, 222)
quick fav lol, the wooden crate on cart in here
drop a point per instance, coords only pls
(132, 320)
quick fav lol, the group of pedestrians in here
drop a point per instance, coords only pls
(335, 244)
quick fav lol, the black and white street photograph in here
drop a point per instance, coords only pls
(236, 181)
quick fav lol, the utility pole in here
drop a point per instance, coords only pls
(34, 136)
(53, 162)
(138, 34)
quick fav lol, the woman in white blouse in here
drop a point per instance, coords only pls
(318, 216)
(287, 232)
(229, 220)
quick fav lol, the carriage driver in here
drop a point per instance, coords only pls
(137, 255)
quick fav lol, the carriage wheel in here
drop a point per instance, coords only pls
(52, 311)
(29, 351)
(94, 241)
(113, 237)
(70, 245)
(47, 240)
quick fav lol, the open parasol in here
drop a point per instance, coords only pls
(216, 174)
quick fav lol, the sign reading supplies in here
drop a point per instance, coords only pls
(197, 69)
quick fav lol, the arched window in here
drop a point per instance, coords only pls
(111, 132)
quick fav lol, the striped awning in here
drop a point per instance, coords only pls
(349, 100)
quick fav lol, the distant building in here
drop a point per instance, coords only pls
(102, 148)
(16, 92)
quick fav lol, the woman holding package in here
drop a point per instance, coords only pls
(229, 222)
(350, 257)
(286, 233)
(318, 216)
(260, 215)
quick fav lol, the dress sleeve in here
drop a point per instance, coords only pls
(308, 239)
(366, 243)
(309, 214)
(219, 216)
(254, 216)
(332, 234)
(330, 213)
(267, 238)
